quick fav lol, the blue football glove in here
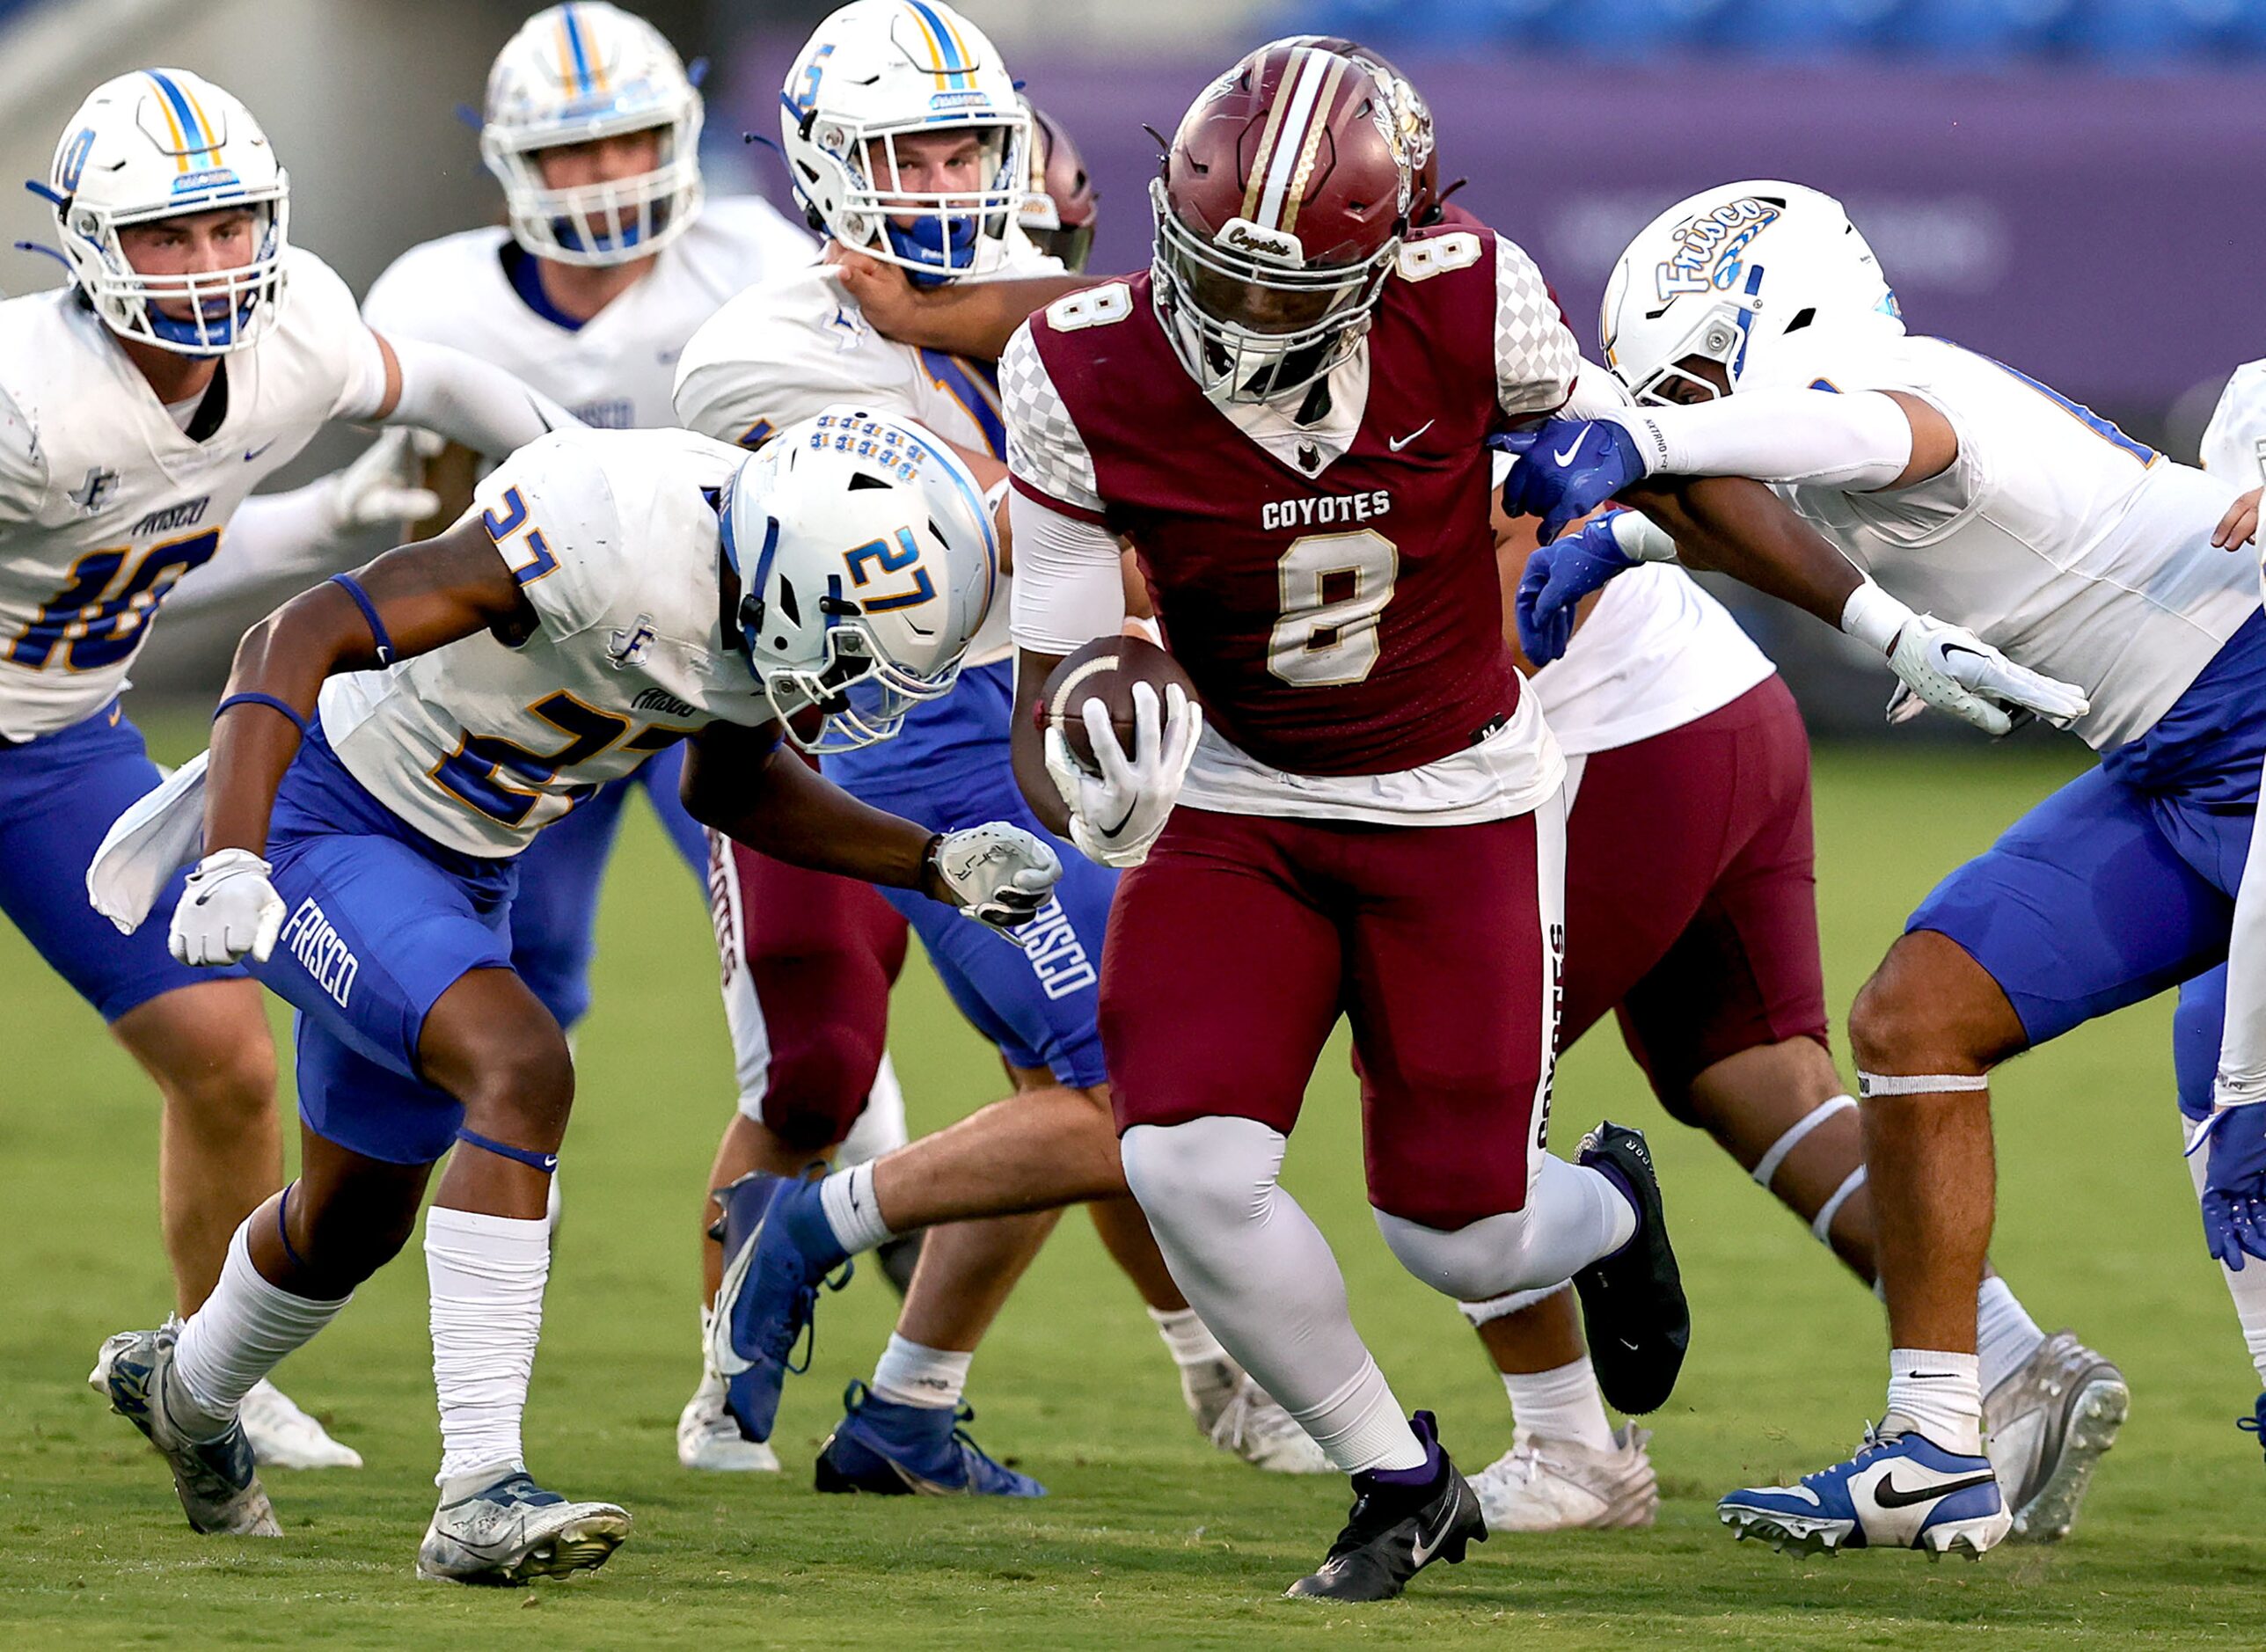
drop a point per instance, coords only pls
(2234, 1184)
(1559, 576)
(1567, 468)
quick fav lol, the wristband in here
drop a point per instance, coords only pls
(1642, 539)
(1873, 618)
(269, 701)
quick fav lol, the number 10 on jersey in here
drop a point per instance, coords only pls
(1331, 592)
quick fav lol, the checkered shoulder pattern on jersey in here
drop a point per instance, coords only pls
(1105, 424)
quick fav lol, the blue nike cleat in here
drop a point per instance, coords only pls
(898, 1451)
(2255, 1424)
(1901, 1490)
(778, 1248)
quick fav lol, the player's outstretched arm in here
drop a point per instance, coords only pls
(457, 395)
(1741, 528)
(744, 783)
(413, 600)
(965, 317)
(1032, 671)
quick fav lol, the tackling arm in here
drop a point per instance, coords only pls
(966, 318)
(464, 399)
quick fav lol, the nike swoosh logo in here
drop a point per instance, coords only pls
(1888, 1494)
(720, 1352)
(1411, 437)
(1566, 457)
(1427, 1543)
(250, 454)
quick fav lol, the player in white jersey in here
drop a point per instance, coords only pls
(194, 351)
(2217, 1055)
(611, 258)
(390, 741)
(1985, 496)
(1690, 917)
(872, 162)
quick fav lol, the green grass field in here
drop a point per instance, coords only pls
(1150, 1538)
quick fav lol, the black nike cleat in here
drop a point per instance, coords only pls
(1402, 1521)
(1633, 1303)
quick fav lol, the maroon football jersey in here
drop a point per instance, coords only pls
(1343, 622)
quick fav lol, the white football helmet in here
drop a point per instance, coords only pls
(866, 560)
(577, 72)
(1761, 276)
(881, 69)
(165, 143)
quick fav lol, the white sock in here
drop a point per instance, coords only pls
(242, 1332)
(1187, 1337)
(1561, 1404)
(851, 1210)
(2247, 1288)
(1260, 1273)
(914, 1375)
(2005, 1333)
(1362, 1426)
(486, 1275)
(1939, 1395)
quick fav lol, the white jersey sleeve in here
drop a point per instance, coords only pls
(2234, 442)
(23, 468)
(1046, 454)
(323, 310)
(554, 521)
(779, 353)
(1536, 357)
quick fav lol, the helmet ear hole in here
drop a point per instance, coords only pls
(788, 603)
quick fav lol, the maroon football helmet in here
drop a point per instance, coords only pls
(1060, 212)
(1279, 215)
(1409, 108)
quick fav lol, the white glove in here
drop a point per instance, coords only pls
(996, 873)
(385, 483)
(1114, 816)
(228, 909)
(1953, 669)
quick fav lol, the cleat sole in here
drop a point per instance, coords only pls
(583, 1546)
(2099, 1412)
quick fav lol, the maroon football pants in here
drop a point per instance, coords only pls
(1692, 892)
(1235, 947)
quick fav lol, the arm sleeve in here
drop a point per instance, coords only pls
(1069, 587)
(23, 466)
(744, 399)
(1536, 358)
(1046, 454)
(2238, 425)
(471, 401)
(1818, 438)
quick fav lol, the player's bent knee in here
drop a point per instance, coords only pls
(1471, 1263)
(1930, 1007)
(522, 1089)
(208, 1047)
(819, 1082)
(1209, 1175)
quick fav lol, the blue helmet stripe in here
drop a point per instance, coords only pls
(192, 131)
(947, 49)
(581, 58)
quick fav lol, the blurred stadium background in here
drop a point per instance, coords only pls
(2072, 185)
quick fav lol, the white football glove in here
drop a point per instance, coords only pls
(385, 484)
(228, 909)
(1114, 816)
(1953, 669)
(996, 873)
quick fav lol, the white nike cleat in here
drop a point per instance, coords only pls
(1242, 1418)
(514, 1530)
(217, 1479)
(2048, 1423)
(1548, 1485)
(708, 1438)
(284, 1436)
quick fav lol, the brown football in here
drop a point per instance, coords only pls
(1105, 670)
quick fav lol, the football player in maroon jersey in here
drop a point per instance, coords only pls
(1286, 417)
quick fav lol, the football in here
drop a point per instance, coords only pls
(1105, 670)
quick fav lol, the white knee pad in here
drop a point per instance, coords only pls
(1208, 1172)
(1480, 1259)
(880, 1127)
